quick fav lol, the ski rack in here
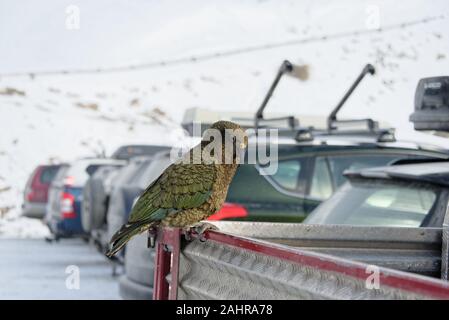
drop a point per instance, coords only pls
(286, 67)
(332, 122)
(369, 129)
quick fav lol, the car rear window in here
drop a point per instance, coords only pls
(377, 203)
(48, 174)
(77, 173)
(338, 164)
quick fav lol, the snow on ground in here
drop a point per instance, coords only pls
(13, 226)
(59, 118)
(53, 266)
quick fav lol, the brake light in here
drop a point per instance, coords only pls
(36, 195)
(229, 210)
(69, 180)
(67, 206)
(30, 196)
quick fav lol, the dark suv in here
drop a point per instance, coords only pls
(310, 172)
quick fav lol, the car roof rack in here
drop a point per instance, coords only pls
(366, 129)
(332, 122)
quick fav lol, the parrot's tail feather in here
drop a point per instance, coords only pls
(126, 232)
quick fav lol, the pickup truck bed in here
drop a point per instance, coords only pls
(254, 260)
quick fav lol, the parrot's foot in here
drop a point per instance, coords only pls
(199, 228)
(152, 234)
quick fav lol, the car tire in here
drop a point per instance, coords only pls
(130, 290)
(93, 207)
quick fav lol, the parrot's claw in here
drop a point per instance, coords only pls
(187, 235)
(201, 227)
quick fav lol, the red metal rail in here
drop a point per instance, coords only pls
(170, 239)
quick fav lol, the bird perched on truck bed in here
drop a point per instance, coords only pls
(191, 189)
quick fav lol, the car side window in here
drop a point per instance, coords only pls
(321, 184)
(287, 174)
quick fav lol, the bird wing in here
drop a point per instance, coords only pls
(180, 186)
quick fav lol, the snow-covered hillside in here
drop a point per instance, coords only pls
(61, 117)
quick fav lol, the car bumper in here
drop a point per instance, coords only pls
(65, 228)
(34, 209)
(131, 290)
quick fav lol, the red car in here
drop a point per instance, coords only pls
(36, 190)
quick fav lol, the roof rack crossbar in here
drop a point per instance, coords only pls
(370, 123)
(332, 118)
(292, 123)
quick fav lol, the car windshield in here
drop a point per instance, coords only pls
(377, 202)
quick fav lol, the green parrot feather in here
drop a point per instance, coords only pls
(179, 187)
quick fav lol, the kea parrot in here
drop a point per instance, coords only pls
(191, 189)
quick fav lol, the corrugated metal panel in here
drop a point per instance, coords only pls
(227, 266)
(212, 270)
(445, 247)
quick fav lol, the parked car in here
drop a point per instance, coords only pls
(406, 195)
(137, 257)
(102, 234)
(36, 190)
(63, 214)
(309, 173)
(135, 180)
(97, 190)
(96, 197)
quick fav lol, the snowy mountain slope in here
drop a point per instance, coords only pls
(63, 117)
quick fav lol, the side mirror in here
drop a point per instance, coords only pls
(432, 104)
